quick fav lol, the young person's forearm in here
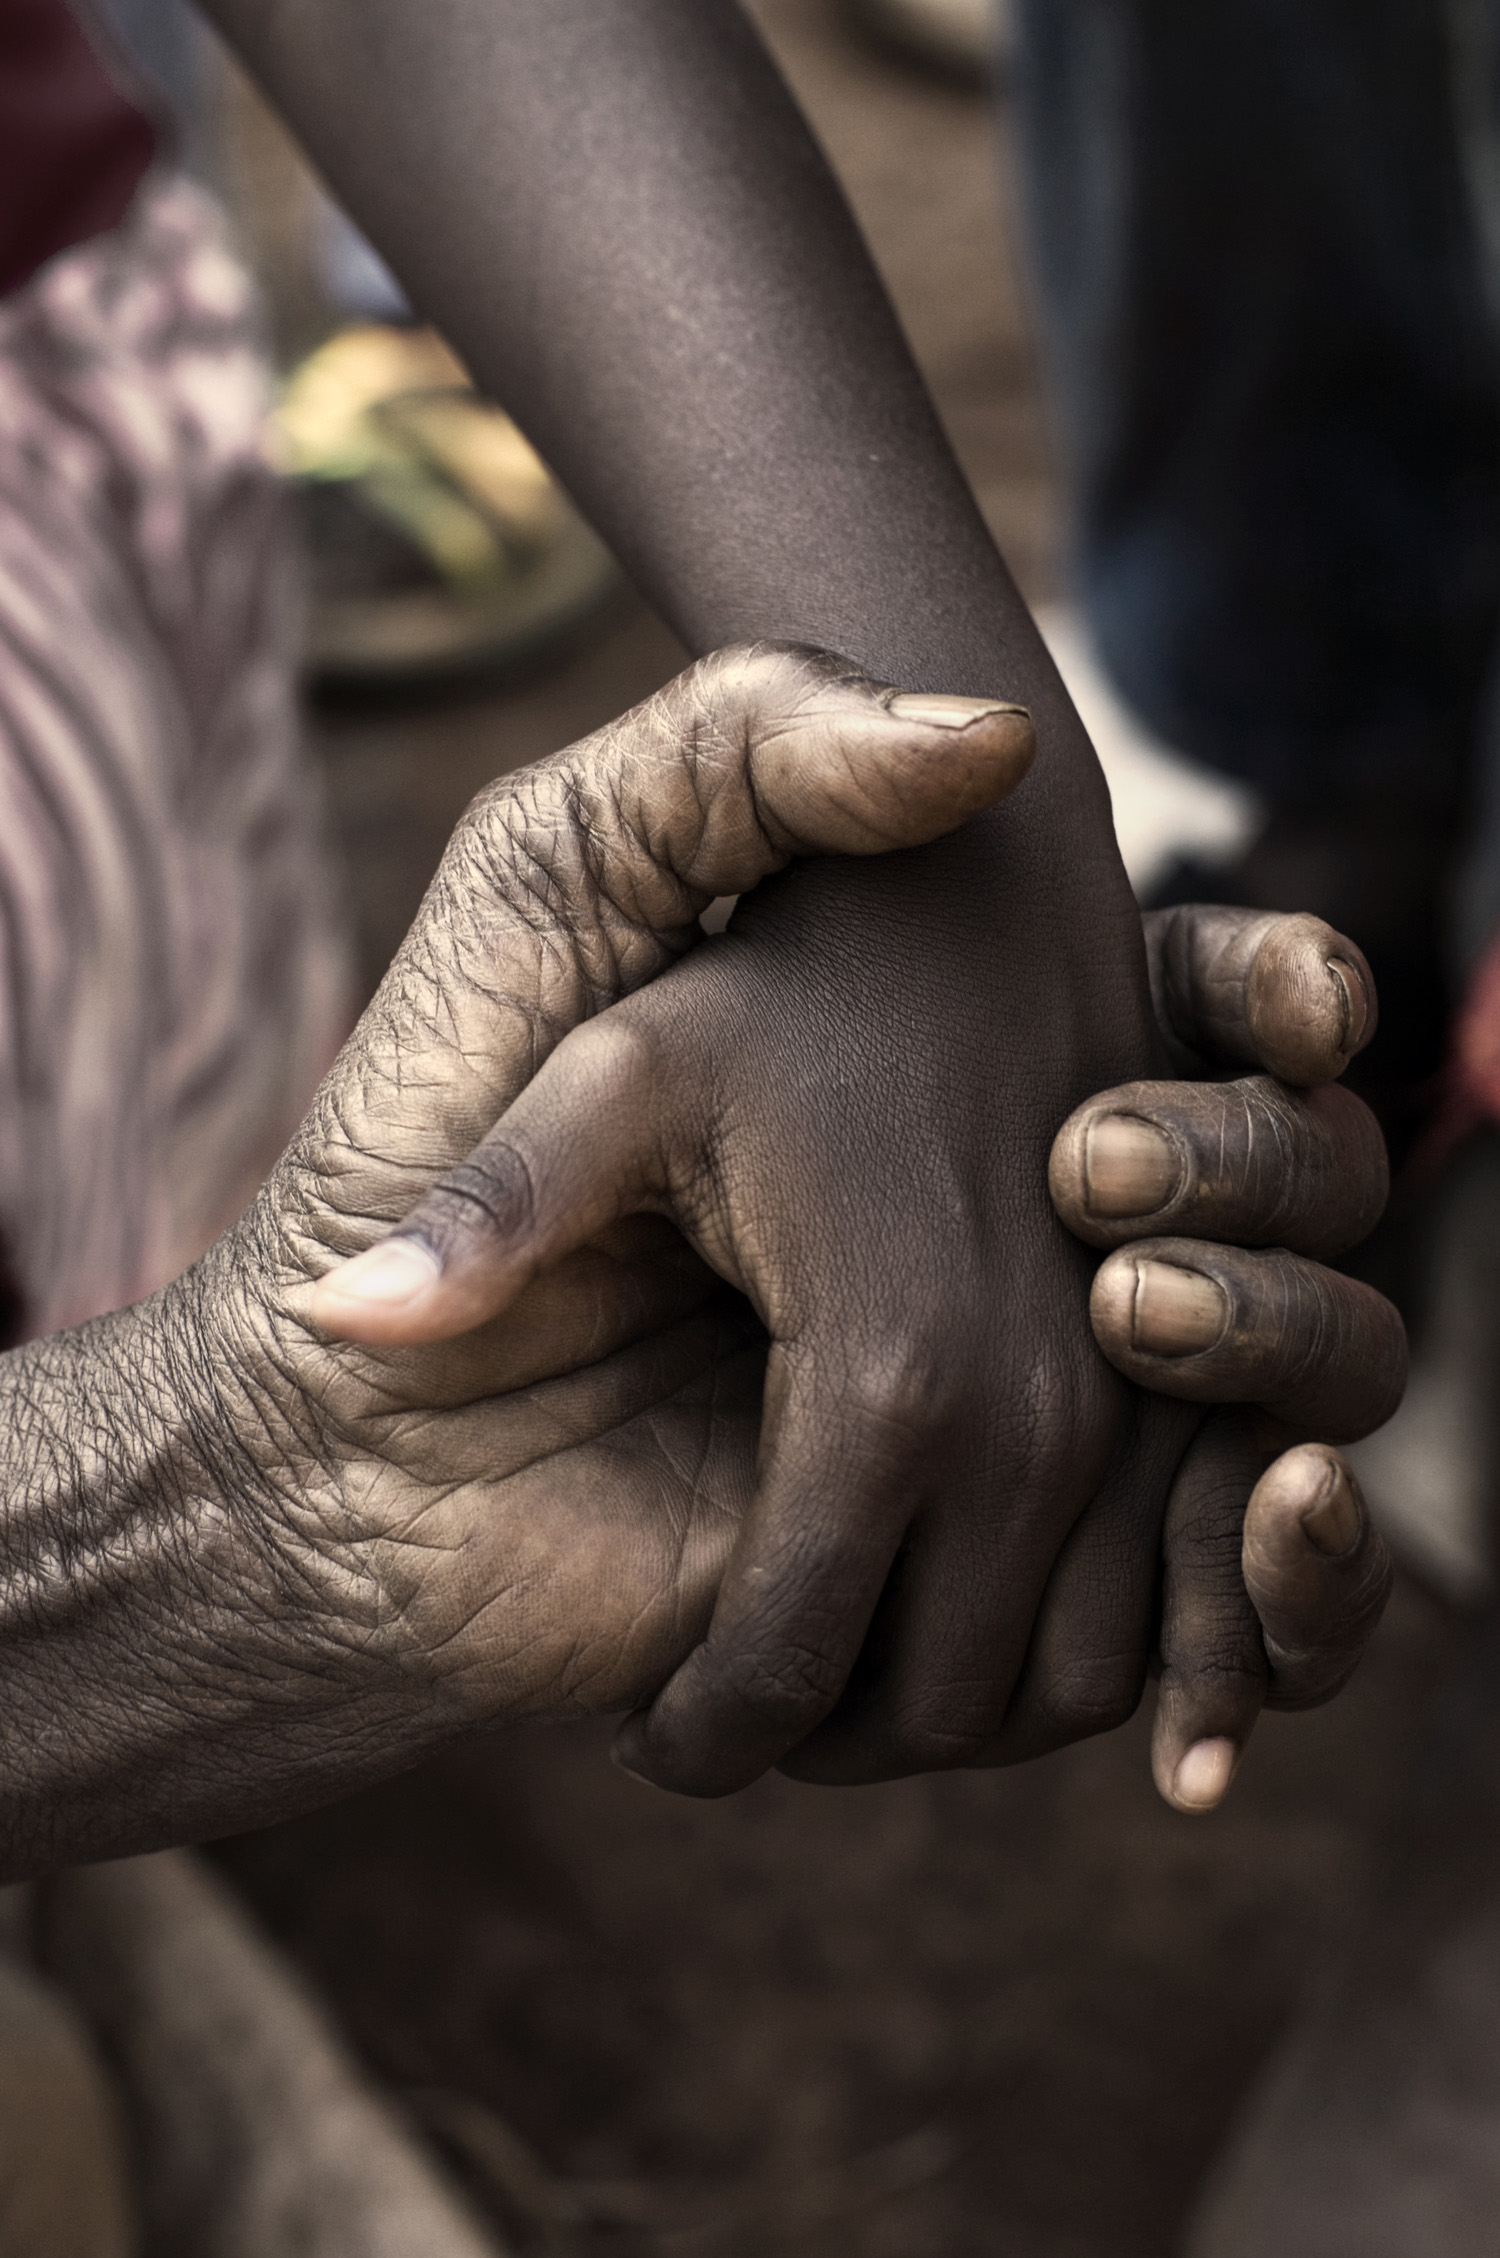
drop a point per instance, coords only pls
(615, 211)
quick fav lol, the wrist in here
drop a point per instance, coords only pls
(185, 1643)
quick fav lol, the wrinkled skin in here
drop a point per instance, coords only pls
(884, 1580)
(1279, 1610)
(613, 211)
(247, 1564)
(526, 1195)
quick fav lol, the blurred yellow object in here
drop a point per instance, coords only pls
(323, 427)
(439, 539)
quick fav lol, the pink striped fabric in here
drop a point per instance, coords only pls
(172, 979)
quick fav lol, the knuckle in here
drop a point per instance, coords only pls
(1092, 1694)
(1064, 1401)
(896, 1393)
(513, 840)
(784, 1688)
(945, 1723)
(492, 1193)
(735, 691)
(620, 1050)
(1307, 1681)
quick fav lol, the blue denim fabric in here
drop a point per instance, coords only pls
(1258, 232)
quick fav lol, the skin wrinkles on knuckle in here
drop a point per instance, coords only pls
(780, 1689)
(1312, 1657)
(1306, 1679)
(1308, 1672)
(736, 702)
(1260, 1165)
(1077, 1696)
(954, 1721)
(1222, 1681)
(1204, 1546)
(541, 855)
(638, 861)
(945, 1728)
(1307, 1343)
(1210, 1634)
(495, 1191)
(554, 880)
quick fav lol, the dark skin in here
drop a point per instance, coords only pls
(613, 210)
(246, 1566)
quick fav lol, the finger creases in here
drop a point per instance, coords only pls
(1249, 1161)
(764, 751)
(1214, 1670)
(579, 1149)
(842, 1466)
(1286, 993)
(1317, 1572)
(1323, 1353)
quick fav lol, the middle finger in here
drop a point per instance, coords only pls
(1251, 1161)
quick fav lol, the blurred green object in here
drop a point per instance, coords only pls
(439, 544)
(968, 39)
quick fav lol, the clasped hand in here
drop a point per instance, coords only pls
(621, 1404)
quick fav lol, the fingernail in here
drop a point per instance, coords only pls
(942, 712)
(397, 1271)
(1202, 1779)
(1130, 1167)
(1354, 1003)
(624, 1754)
(1331, 1523)
(1176, 1312)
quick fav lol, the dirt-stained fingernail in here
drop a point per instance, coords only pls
(1201, 1780)
(1176, 1312)
(1332, 1522)
(1354, 1004)
(1130, 1167)
(939, 711)
(386, 1277)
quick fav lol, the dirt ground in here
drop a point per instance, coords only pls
(1006, 2013)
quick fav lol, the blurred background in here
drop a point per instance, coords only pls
(1017, 2013)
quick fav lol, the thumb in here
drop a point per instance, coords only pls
(796, 752)
(581, 1147)
(572, 883)
(753, 756)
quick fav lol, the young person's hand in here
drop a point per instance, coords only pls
(244, 1566)
(613, 211)
(532, 1192)
(1179, 1179)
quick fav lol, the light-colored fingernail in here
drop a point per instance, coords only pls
(1176, 1312)
(1201, 1780)
(939, 711)
(384, 1277)
(1355, 1004)
(1332, 1522)
(1130, 1167)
